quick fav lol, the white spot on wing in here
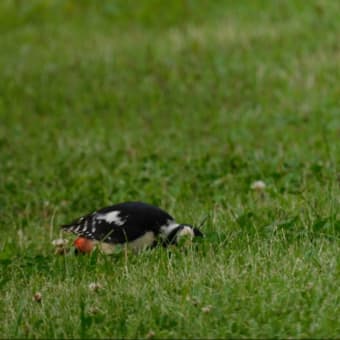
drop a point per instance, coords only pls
(111, 217)
(85, 226)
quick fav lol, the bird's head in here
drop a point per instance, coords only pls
(183, 232)
(187, 229)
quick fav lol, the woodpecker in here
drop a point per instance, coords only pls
(138, 225)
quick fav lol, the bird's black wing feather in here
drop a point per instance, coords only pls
(133, 220)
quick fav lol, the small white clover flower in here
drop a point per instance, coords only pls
(37, 297)
(150, 334)
(258, 186)
(59, 242)
(60, 246)
(94, 310)
(94, 286)
(206, 309)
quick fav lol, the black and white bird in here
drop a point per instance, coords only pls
(137, 224)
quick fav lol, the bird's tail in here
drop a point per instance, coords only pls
(72, 227)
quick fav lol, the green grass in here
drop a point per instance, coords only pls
(182, 104)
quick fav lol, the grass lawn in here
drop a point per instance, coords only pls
(182, 104)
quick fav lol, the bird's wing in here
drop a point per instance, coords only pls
(108, 227)
(120, 223)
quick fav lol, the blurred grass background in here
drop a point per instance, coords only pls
(182, 104)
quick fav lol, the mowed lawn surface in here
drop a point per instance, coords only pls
(182, 104)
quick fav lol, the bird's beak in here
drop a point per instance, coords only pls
(197, 232)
